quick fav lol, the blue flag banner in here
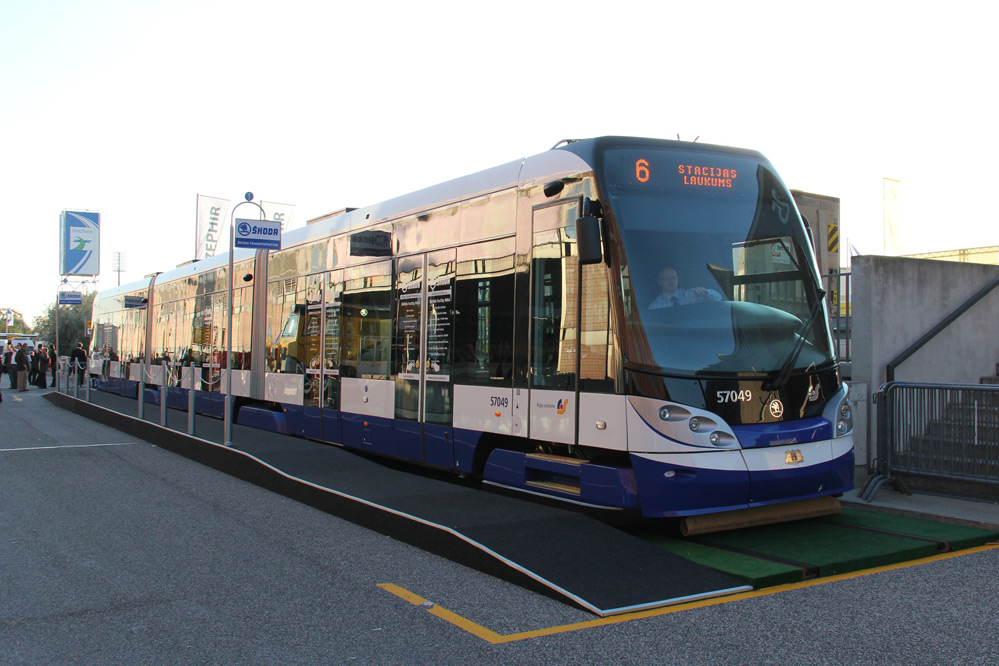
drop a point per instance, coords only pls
(79, 243)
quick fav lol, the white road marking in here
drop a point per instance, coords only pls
(71, 446)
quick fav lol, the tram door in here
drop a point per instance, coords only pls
(306, 354)
(330, 364)
(438, 360)
(554, 328)
(422, 357)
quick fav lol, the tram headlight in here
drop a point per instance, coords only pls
(695, 424)
(664, 413)
(844, 420)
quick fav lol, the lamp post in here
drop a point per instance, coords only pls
(56, 359)
(227, 427)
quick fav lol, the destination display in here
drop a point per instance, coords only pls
(680, 170)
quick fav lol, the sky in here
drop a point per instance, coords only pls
(132, 109)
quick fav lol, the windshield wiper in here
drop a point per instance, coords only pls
(785, 370)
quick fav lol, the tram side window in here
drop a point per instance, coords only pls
(164, 332)
(595, 373)
(366, 318)
(185, 326)
(288, 320)
(242, 324)
(201, 334)
(483, 319)
(554, 329)
(489, 216)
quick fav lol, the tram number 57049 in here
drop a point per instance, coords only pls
(734, 396)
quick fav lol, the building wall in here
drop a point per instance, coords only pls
(972, 255)
(896, 300)
(822, 213)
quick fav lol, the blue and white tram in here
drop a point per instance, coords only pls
(618, 322)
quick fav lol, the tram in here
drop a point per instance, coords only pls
(624, 323)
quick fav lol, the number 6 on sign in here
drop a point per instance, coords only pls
(642, 172)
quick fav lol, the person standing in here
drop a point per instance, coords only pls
(78, 361)
(33, 367)
(53, 362)
(10, 366)
(42, 376)
(23, 363)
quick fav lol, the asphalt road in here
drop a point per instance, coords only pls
(114, 551)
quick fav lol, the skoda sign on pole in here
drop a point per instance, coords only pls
(258, 234)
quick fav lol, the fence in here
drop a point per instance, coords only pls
(837, 286)
(944, 435)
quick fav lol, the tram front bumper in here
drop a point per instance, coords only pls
(687, 484)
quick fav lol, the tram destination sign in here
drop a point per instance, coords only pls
(258, 234)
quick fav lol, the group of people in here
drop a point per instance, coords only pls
(31, 367)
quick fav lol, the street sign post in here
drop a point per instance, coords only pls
(258, 234)
(70, 298)
(254, 234)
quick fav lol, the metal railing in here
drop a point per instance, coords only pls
(69, 381)
(837, 286)
(943, 432)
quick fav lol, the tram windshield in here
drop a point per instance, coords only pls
(720, 278)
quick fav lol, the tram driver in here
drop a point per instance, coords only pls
(672, 294)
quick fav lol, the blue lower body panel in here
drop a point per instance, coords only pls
(263, 419)
(829, 478)
(438, 445)
(670, 490)
(599, 485)
(465, 444)
(368, 433)
(304, 421)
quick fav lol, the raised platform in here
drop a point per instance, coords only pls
(556, 551)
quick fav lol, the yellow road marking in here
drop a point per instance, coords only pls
(491, 636)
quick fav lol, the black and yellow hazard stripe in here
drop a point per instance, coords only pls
(832, 237)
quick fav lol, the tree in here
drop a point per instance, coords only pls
(19, 325)
(72, 324)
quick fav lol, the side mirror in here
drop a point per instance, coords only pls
(588, 240)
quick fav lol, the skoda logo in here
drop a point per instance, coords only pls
(776, 409)
(243, 228)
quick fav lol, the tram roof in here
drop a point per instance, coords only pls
(564, 159)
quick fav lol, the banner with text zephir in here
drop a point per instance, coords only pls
(79, 243)
(258, 234)
(211, 216)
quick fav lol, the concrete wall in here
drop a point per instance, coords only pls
(897, 300)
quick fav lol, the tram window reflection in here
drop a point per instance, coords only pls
(483, 304)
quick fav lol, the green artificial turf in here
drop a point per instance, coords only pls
(777, 554)
(958, 536)
(751, 570)
(833, 549)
